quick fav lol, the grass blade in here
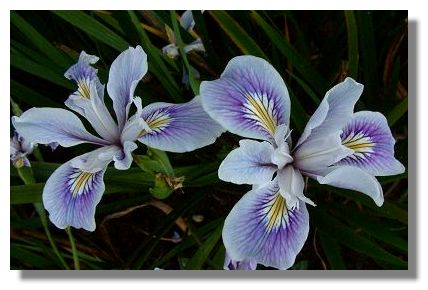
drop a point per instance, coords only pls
(93, 28)
(238, 35)
(398, 112)
(301, 64)
(351, 25)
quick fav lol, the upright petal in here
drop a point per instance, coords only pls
(260, 227)
(370, 138)
(71, 195)
(95, 111)
(248, 164)
(123, 159)
(354, 178)
(317, 153)
(291, 186)
(178, 127)
(125, 73)
(84, 74)
(47, 125)
(186, 20)
(335, 110)
(250, 99)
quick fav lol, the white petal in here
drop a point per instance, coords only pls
(354, 178)
(47, 125)
(248, 164)
(125, 73)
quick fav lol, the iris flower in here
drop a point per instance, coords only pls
(269, 224)
(19, 149)
(72, 192)
(187, 23)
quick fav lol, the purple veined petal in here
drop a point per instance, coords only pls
(248, 164)
(291, 186)
(19, 149)
(84, 74)
(95, 111)
(354, 178)
(71, 195)
(370, 138)
(261, 228)
(250, 98)
(178, 127)
(47, 125)
(316, 154)
(230, 264)
(125, 73)
(334, 112)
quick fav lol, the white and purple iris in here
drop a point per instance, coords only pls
(76, 187)
(269, 225)
(20, 148)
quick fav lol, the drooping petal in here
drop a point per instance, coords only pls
(370, 138)
(195, 45)
(230, 264)
(248, 164)
(291, 186)
(178, 127)
(354, 178)
(316, 154)
(71, 195)
(261, 228)
(250, 99)
(125, 73)
(335, 110)
(47, 125)
(95, 111)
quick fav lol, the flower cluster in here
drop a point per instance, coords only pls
(338, 147)
(269, 224)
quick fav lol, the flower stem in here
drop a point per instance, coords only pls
(26, 175)
(73, 249)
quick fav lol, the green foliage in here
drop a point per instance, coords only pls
(163, 195)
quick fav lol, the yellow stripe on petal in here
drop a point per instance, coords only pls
(259, 108)
(157, 122)
(275, 211)
(360, 143)
(84, 88)
(80, 181)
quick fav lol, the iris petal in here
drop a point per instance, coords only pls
(125, 73)
(260, 227)
(335, 110)
(354, 178)
(370, 138)
(250, 99)
(178, 127)
(47, 125)
(71, 195)
(248, 164)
